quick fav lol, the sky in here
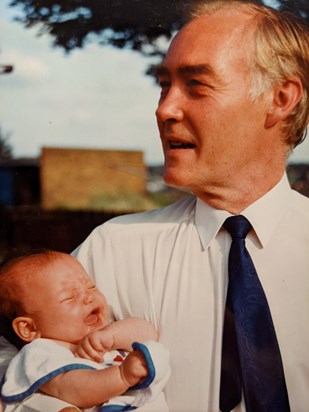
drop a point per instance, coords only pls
(96, 97)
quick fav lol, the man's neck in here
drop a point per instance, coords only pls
(239, 194)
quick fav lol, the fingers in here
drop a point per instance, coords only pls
(89, 349)
(134, 368)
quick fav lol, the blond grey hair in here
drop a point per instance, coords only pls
(280, 51)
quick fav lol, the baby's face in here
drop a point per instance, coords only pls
(64, 301)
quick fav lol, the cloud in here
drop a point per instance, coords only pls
(27, 67)
(83, 116)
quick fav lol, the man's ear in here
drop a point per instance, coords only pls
(25, 328)
(285, 98)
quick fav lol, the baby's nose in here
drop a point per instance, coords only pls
(88, 297)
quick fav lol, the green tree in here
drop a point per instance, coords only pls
(134, 24)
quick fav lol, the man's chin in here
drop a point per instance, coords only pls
(175, 179)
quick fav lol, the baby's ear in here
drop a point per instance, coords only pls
(25, 328)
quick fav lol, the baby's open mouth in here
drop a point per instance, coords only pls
(93, 317)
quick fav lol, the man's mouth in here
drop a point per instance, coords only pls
(93, 317)
(172, 144)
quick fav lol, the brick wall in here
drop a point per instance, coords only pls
(78, 178)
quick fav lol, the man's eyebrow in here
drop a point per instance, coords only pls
(162, 70)
(196, 69)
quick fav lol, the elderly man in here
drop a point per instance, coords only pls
(223, 274)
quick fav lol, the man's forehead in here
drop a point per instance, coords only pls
(198, 45)
(204, 30)
(186, 56)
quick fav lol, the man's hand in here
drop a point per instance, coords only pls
(95, 345)
(133, 368)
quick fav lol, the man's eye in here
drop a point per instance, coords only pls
(164, 84)
(194, 82)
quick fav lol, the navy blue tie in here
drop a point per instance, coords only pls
(251, 360)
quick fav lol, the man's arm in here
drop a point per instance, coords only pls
(86, 388)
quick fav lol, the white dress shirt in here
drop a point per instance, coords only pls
(170, 267)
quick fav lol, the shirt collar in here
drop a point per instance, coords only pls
(264, 214)
(208, 222)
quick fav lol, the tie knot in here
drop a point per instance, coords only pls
(238, 226)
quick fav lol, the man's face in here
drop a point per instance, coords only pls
(211, 130)
(64, 302)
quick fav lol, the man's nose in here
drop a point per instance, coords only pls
(170, 107)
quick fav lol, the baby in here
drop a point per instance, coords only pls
(52, 309)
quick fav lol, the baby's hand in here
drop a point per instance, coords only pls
(133, 368)
(95, 345)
